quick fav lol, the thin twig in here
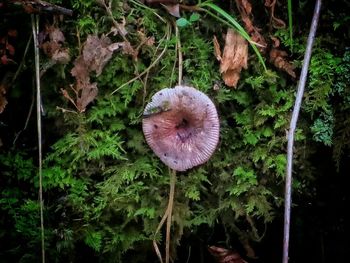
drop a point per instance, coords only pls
(35, 27)
(26, 122)
(108, 10)
(174, 66)
(149, 67)
(22, 61)
(147, 75)
(293, 123)
(13, 81)
(179, 52)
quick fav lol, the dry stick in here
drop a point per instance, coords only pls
(23, 60)
(167, 35)
(178, 45)
(175, 60)
(293, 123)
(13, 81)
(35, 27)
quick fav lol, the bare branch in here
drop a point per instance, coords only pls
(293, 124)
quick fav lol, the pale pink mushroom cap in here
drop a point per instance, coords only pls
(181, 125)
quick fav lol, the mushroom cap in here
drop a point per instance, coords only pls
(181, 125)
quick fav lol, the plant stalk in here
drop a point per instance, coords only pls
(168, 223)
(291, 133)
(35, 28)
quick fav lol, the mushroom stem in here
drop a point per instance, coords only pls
(170, 212)
(167, 216)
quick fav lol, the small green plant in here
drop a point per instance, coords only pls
(182, 22)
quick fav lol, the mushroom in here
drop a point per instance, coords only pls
(181, 125)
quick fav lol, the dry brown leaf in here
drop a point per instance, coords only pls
(275, 22)
(96, 53)
(5, 84)
(80, 70)
(61, 56)
(88, 94)
(68, 97)
(3, 100)
(234, 58)
(247, 6)
(148, 41)
(56, 35)
(217, 49)
(245, 10)
(129, 50)
(51, 40)
(278, 58)
(223, 255)
(174, 10)
(275, 41)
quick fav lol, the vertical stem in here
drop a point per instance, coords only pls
(293, 123)
(290, 23)
(168, 222)
(35, 27)
(179, 51)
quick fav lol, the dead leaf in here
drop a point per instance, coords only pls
(245, 10)
(278, 58)
(174, 10)
(80, 70)
(223, 255)
(217, 49)
(87, 95)
(148, 41)
(3, 100)
(61, 56)
(129, 50)
(234, 58)
(56, 35)
(246, 6)
(275, 41)
(51, 41)
(274, 21)
(4, 86)
(96, 53)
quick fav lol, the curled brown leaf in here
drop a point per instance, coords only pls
(279, 59)
(234, 58)
(224, 255)
(51, 42)
(245, 10)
